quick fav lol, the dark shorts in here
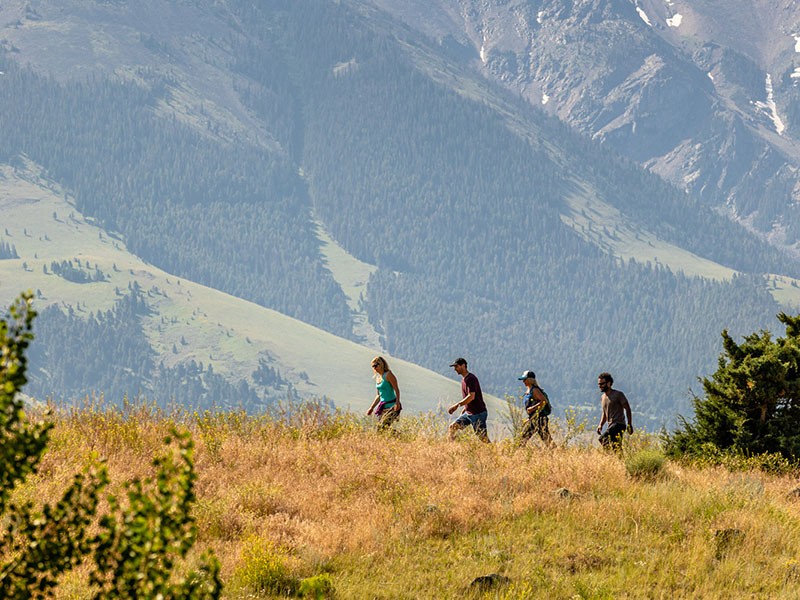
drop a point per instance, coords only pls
(612, 438)
(478, 422)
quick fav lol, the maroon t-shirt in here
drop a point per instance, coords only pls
(469, 385)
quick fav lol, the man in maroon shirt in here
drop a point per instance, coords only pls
(474, 412)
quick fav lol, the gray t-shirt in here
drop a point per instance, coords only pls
(614, 404)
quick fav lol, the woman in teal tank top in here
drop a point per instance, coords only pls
(387, 398)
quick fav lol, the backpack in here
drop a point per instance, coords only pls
(547, 408)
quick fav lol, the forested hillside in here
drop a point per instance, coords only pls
(463, 216)
(456, 189)
(231, 216)
(109, 352)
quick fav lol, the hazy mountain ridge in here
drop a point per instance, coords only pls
(189, 44)
(680, 87)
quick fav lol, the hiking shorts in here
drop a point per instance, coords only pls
(613, 436)
(477, 421)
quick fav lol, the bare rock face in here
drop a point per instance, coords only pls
(707, 96)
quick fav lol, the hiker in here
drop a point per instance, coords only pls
(386, 405)
(537, 407)
(615, 409)
(474, 412)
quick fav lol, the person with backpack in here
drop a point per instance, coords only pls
(538, 409)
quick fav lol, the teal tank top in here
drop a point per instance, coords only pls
(386, 391)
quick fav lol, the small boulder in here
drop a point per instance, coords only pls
(488, 582)
(562, 493)
(725, 539)
(565, 494)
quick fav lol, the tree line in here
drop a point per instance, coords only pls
(107, 352)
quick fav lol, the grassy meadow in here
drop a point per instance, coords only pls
(317, 503)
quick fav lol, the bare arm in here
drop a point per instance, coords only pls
(466, 400)
(393, 380)
(627, 408)
(602, 422)
(540, 401)
(374, 404)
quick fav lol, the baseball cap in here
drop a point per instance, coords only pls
(459, 361)
(527, 375)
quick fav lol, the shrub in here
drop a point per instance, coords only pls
(137, 544)
(263, 568)
(317, 587)
(513, 415)
(752, 401)
(646, 464)
(768, 462)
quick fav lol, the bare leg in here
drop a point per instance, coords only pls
(454, 428)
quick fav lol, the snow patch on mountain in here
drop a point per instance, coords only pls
(675, 20)
(344, 68)
(770, 108)
(643, 15)
(545, 98)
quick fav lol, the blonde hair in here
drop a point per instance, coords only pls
(382, 362)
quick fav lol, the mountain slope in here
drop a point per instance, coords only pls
(704, 95)
(232, 336)
(485, 227)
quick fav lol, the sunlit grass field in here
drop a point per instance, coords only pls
(315, 502)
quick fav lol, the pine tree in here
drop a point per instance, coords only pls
(752, 401)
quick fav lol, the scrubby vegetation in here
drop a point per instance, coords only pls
(751, 405)
(315, 503)
(128, 552)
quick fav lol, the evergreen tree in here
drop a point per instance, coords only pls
(752, 401)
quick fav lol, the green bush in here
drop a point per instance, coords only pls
(734, 460)
(317, 587)
(646, 464)
(137, 544)
(263, 568)
(751, 404)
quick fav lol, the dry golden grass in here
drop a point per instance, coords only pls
(410, 515)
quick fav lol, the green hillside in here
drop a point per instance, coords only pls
(183, 323)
